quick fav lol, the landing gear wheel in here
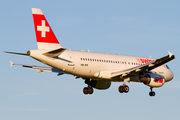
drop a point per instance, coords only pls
(85, 90)
(152, 93)
(123, 89)
(126, 89)
(90, 90)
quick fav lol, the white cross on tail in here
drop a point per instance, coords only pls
(43, 29)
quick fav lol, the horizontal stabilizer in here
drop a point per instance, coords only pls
(17, 53)
(40, 69)
(55, 53)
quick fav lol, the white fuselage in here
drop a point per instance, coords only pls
(87, 64)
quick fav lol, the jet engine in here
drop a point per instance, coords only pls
(98, 84)
(152, 79)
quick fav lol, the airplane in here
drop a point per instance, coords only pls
(97, 70)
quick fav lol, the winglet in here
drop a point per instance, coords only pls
(170, 54)
(11, 63)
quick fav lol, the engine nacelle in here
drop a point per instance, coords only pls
(98, 84)
(152, 80)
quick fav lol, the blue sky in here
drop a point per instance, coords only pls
(138, 28)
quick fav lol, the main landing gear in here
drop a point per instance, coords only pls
(89, 89)
(124, 88)
(152, 93)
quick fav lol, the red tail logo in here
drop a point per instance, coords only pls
(43, 30)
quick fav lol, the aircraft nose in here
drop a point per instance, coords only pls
(170, 76)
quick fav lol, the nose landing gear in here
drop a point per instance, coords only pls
(152, 93)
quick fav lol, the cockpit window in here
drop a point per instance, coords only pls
(167, 67)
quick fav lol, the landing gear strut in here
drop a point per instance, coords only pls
(152, 93)
(89, 89)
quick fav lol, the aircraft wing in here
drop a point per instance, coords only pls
(143, 68)
(40, 69)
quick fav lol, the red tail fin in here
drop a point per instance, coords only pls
(44, 34)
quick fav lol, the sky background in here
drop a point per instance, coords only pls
(127, 27)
